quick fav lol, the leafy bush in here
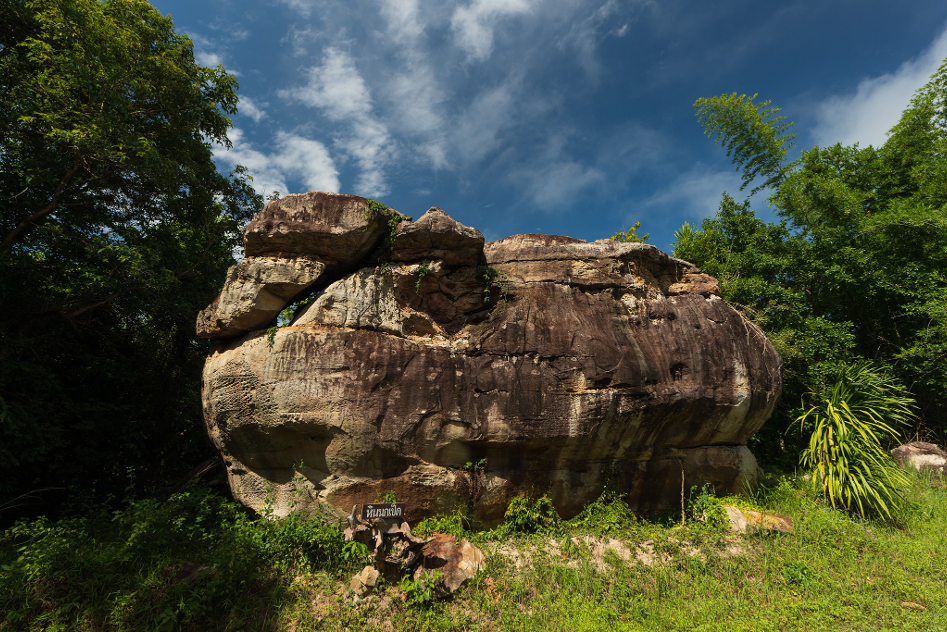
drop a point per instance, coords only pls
(455, 524)
(705, 507)
(631, 235)
(526, 515)
(122, 569)
(420, 592)
(845, 452)
(609, 514)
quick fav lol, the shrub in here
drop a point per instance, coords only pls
(609, 514)
(845, 453)
(527, 515)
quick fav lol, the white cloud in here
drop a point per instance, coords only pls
(473, 24)
(556, 184)
(476, 132)
(554, 179)
(248, 107)
(206, 58)
(584, 36)
(207, 52)
(402, 18)
(414, 95)
(303, 7)
(696, 193)
(293, 156)
(867, 115)
(300, 40)
(337, 88)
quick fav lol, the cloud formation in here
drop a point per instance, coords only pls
(866, 116)
(473, 24)
(249, 107)
(337, 89)
(696, 193)
(292, 156)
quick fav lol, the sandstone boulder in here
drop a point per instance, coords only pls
(437, 236)
(452, 562)
(336, 229)
(544, 364)
(364, 581)
(749, 521)
(256, 290)
(922, 456)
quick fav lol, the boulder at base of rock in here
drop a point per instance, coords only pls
(256, 290)
(451, 562)
(749, 521)
(922, 456)
(364, 581)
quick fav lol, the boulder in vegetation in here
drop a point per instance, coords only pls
(458, 375)
(750, 521)
(922, 456)
(452, 562)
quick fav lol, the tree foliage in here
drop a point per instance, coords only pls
(116, 228)
(753, 133)
(855, 266)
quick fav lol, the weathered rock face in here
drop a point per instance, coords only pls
(256, 290)
(922, 456)
(459, 377)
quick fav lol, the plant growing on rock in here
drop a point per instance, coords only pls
(631, 235)
(493, 278)
(392, 219)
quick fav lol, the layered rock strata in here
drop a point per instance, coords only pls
(459, 374)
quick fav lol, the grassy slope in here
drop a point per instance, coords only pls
(835, 573)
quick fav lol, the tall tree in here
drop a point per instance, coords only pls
(115, 229)
(856, 266)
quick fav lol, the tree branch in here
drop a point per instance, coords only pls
(25, 223)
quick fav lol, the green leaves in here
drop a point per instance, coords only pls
(848, 424)
(754, 134)
(631, 235)
(528, 515)
(115, 229)
(855, 266)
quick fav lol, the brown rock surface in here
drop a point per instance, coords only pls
(749, 521)
(452, 562)
(256, 290)
(337, 229)
(437, 236)
(922, 456)
(603, 361)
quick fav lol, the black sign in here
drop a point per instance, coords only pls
(382, 510)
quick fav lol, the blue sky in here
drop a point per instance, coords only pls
(571, 117)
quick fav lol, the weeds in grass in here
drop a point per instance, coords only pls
(126, 570)
(528, 515)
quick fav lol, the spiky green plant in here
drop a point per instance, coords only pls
(849, 422)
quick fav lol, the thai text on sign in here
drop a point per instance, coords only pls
(382, 510)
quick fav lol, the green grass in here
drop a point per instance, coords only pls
(116, 571)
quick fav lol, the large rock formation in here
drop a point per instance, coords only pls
(458, 374)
